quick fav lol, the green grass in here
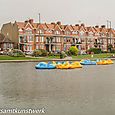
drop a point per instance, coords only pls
(104, 55)
(18, 58)
(53, 57)
(95, 56)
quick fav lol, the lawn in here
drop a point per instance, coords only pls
(4, 57)
(95, 56)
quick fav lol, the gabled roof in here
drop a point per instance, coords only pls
(43, 26)
(7, 40)
(68, 27)
(1, 37)
(21, 24)
(76, 28)
(4, 39)
(50, 26)
(97, 29)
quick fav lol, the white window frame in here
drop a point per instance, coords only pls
(37, 39)
(37, 46)
(29, 47)
(41, 46)
(42, 39)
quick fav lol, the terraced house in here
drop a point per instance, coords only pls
(29, 36)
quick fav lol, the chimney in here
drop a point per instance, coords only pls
(76, 24)
(103, 26)
(96, 26)
(83, 25)
(53, 23)
(31, 21)
(26, 21)
(59, 23)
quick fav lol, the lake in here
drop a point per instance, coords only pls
(86, 91)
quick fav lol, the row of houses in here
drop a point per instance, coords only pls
(28, 36)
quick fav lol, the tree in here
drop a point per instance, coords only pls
(110, 47)
(73, 50)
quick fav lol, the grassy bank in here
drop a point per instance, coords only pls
(18, 58)
(95, 56)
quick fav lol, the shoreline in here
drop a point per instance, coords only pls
(24, 61)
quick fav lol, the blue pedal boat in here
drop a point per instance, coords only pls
(88, 62)
(43, 65)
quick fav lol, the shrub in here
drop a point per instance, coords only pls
(94, 50)
(112, 51)
(68, 53)
(16, 53)
(40, 52)
(104, 52)
(53, 54)
(63, 55)
(110, 47)
(73, 50)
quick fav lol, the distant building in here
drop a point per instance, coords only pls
(5, 43)
(28, 36)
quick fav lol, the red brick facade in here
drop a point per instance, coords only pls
(58, 37)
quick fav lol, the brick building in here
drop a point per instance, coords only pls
(29, 36)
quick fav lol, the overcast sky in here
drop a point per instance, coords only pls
(90, 12)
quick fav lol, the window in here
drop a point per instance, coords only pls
(40, 31)
(37, 39)
(57, 39)
(65, 40)
(25, 47)
(57, 32)
(29, 47)
(30, 38)
(28, 31)
(42, 39)
(5, 45)
(10, 45)
(41, 46)
(57, 48)
(81, 33)
(74, 32)
(25, 39)
(37, 46)
(67, 32)
(21, 39)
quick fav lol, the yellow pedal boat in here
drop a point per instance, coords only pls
(67, 65)
(102, 62)
(75, 65)
(105, 62)
(109, 61)
(63, 66)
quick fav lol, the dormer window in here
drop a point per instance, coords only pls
(74, 32)
(40, 31)
(57, 32)
(90, 34)
(67, 32)
(28, 31)
(81, 33)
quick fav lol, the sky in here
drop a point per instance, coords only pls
(89, 12)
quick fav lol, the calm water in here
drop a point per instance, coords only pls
(87, 91)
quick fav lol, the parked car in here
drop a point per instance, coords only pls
(1, 52)
(83, 53)
(29, 53)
